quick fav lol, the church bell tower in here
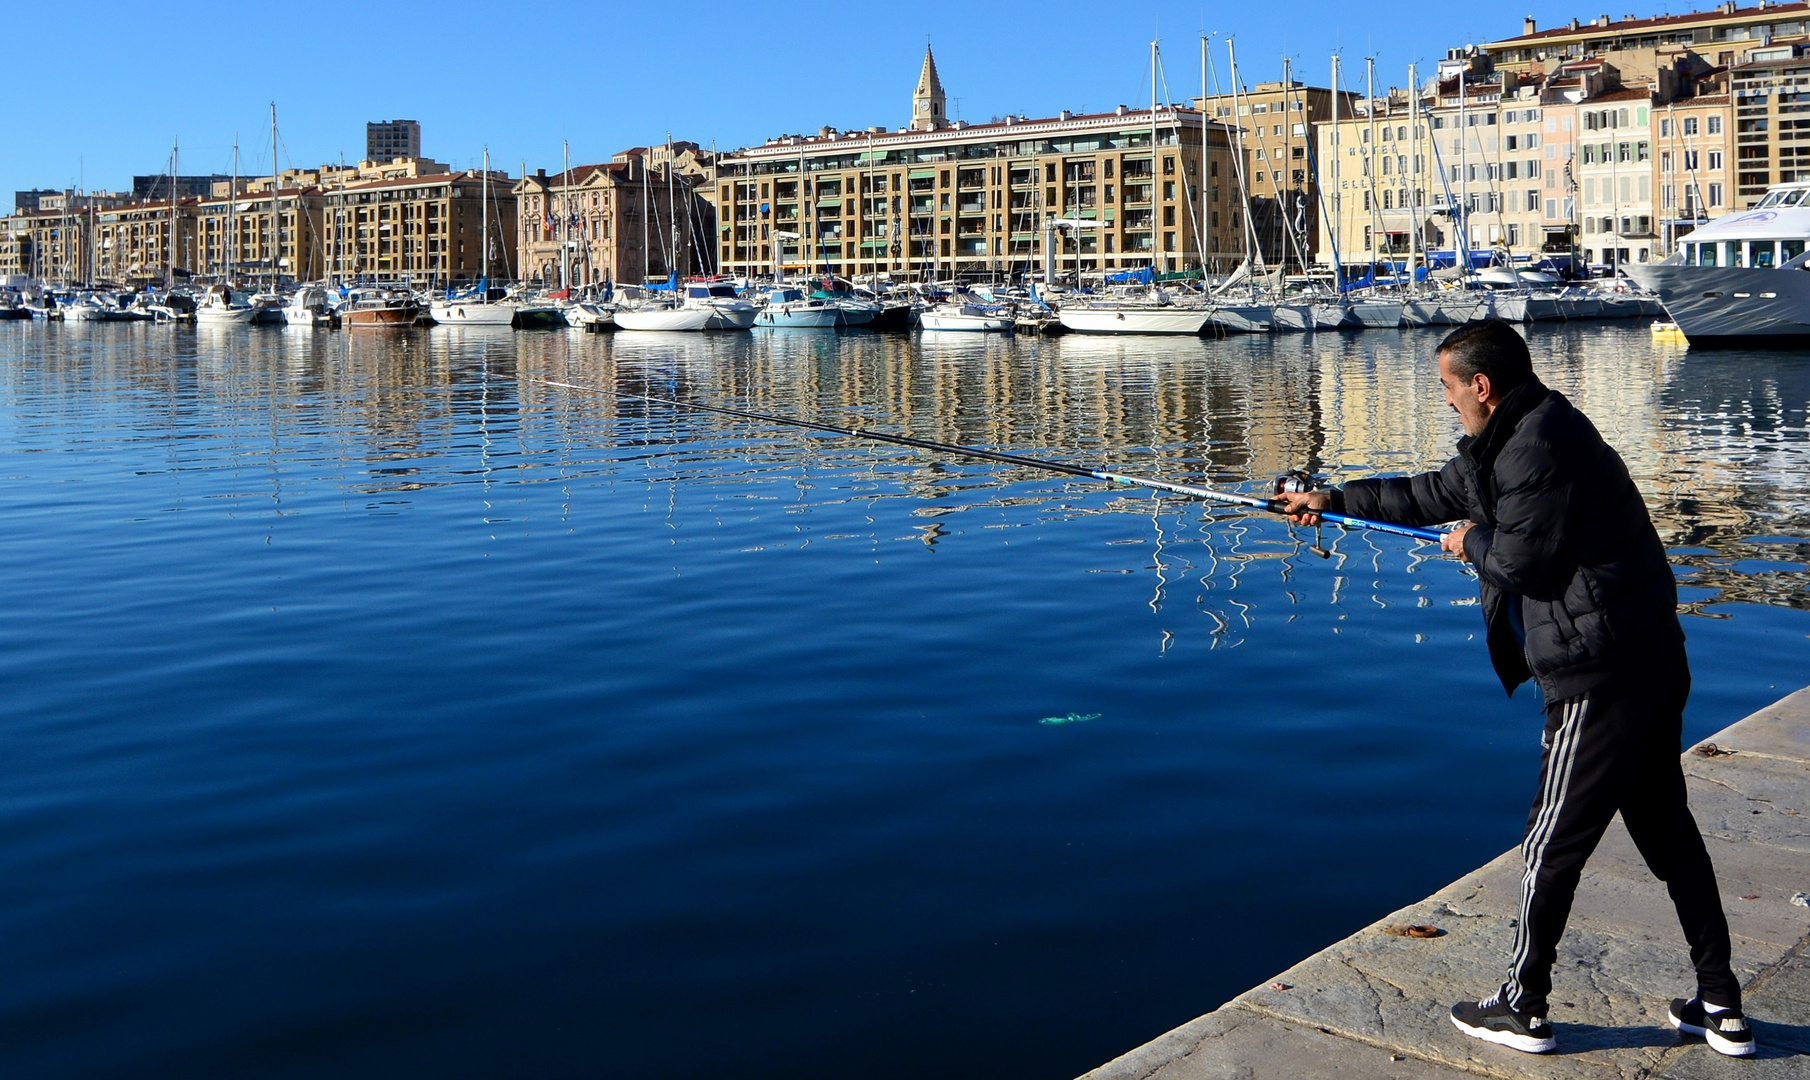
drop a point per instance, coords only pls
(929, 109)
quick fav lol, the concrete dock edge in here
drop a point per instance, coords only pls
(1376, 1004)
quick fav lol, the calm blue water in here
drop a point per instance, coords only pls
(372, 708)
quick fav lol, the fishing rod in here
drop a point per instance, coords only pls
(1294, 481)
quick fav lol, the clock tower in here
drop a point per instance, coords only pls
(929, 109)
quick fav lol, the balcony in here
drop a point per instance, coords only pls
(972, 205)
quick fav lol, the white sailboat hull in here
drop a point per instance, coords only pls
(1377, 314)
(953, 320)
(663, 318)
(225, 316)
(459, 312)
(1130, 320)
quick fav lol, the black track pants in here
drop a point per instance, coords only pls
(1604, 752)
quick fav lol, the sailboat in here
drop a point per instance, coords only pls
(476, 307)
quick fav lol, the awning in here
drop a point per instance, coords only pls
(922, 174)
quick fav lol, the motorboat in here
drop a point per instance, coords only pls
(268, 308)
(310, 306)
(590, 315)
(970, 317)
(221, 308)
(95, 307)
(380, 306)
(12, 305)
(788, 306)
(728, 311)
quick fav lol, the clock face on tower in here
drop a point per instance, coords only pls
(923, 106)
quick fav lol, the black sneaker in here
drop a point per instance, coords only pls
(1725, 1032)
(1493, 1021)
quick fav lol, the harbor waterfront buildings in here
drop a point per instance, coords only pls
(1596, 143)
(639, 217)
(941, 199)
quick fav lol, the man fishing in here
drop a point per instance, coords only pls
(1577, 596)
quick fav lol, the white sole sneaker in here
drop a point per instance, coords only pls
(1527, 1044)
(1716, 1040)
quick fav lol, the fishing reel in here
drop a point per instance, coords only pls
(1300, 480)
(1297, 480)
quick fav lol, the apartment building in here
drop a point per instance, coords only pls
(132, 244)
(1719, 36)
(1771, 120)
(1695, 174)
(1462, 167)
(389, 140)
(952, 200)
(1272, 127)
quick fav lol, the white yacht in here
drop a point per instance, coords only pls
(1737, 280)
(308, 307)
(702, 306)
(220, 308)
(969, 317)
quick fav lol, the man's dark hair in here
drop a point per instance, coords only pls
(1492, 348)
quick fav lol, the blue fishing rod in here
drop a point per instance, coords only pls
(1294, 481)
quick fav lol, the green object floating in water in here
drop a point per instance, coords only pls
(1071, 718)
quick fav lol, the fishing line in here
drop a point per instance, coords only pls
(1273, 506)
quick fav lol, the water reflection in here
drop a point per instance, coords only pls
(1717, 442)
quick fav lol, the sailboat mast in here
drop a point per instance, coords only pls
(1252, 253)
(175, 171)
(232, 200)
(1463, 247)
(1338, 202)
(484, 229)
(1376, 238)
(1205, 231)
(276, 227)
(644, 212)
(1153, 247)
(1415, 241)
(565, 218)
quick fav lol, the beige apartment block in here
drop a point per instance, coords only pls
(1615, 175)
(1642, 46)
(1273, 125)
(953, 200)
(1463, 169)
(423, 229)
(1695, 174)
(132, 244)
(1771, 121)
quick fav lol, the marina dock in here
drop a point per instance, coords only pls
(1375, 1005)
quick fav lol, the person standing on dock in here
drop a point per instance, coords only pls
(1578, 596)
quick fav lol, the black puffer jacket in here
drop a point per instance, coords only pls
(1561, 530)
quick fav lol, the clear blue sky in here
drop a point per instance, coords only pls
(98, 95)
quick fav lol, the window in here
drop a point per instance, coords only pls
(1514, 234)
(1715, 125)
(1643, 151)
(1509, 143)
(1552, 208)
(1533, 201)
(1689, 126)
(1665, 129)
(1690, 161)
(1715, 194)
(1715, 160)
